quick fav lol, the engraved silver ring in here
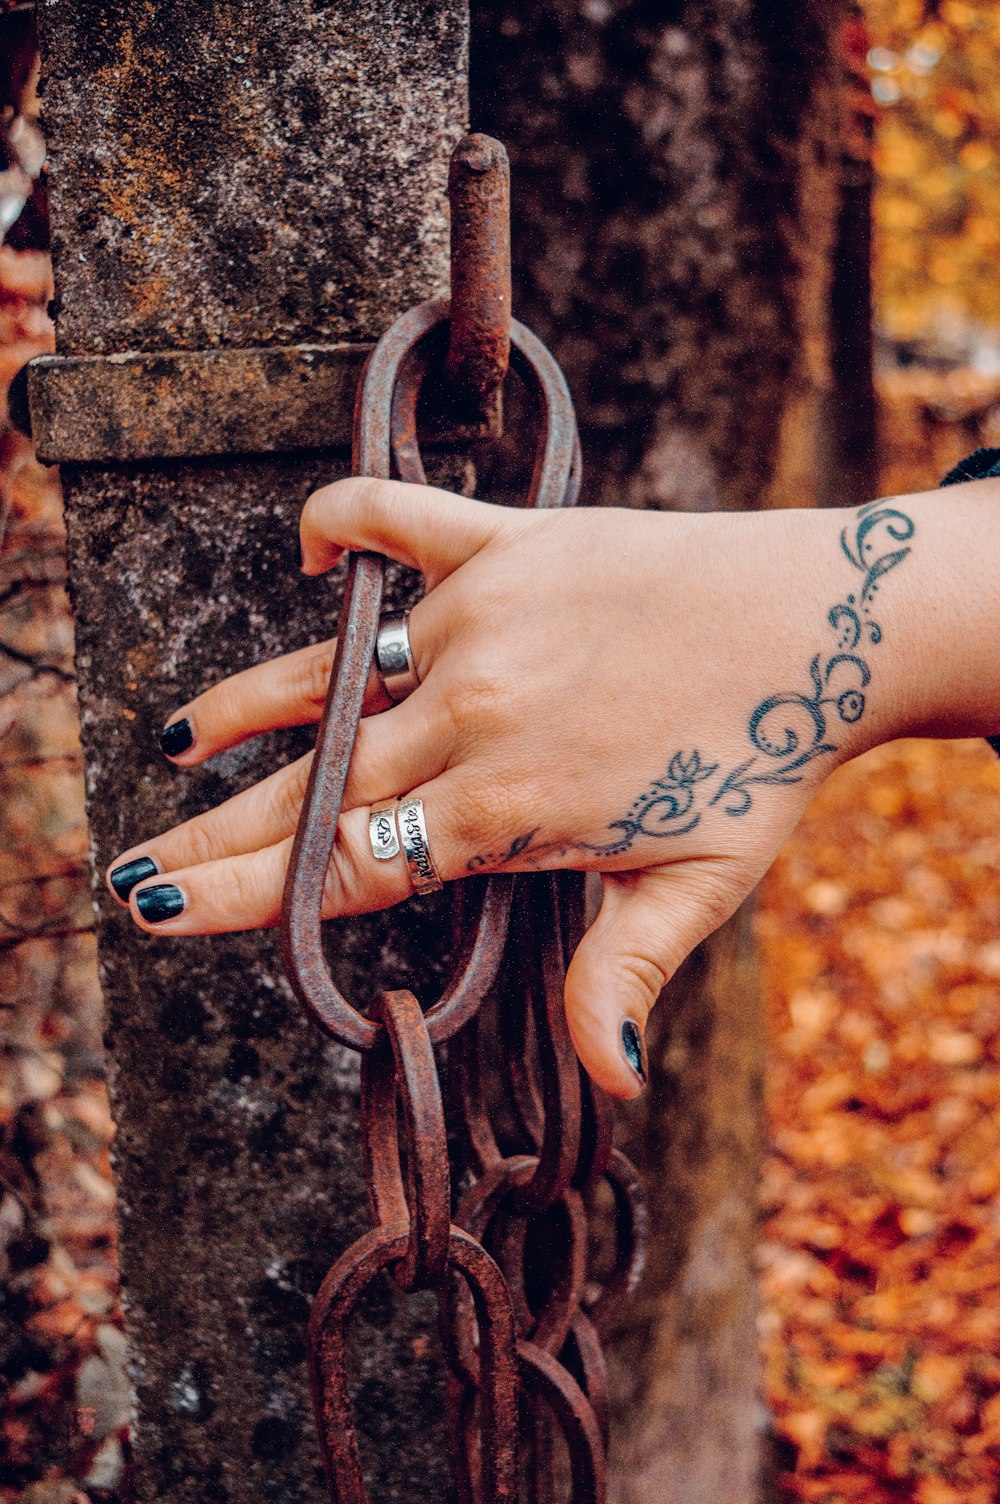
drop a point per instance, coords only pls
(398, 825)
(382, 831)
(412, 829)
(393, 656)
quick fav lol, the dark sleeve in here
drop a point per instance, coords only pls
(981, 464)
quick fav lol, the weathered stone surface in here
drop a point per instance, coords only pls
(229, 173)
(236, 1159)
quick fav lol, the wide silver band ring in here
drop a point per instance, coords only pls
(393, 656)
(416, 848)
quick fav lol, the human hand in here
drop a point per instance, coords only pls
(650, 696)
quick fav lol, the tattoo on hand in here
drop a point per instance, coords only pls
(520, 846)
(789, 729)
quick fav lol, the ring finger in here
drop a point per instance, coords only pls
(406, 746)
(244, 891)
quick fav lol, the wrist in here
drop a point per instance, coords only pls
(935, 668)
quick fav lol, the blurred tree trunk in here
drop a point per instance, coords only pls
(674, 200)
(848, 473)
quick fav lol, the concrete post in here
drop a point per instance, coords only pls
(227, 175)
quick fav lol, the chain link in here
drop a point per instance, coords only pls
(521, 1313)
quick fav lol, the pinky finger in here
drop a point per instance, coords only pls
(244, 892)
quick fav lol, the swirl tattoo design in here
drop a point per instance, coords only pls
(789, 729)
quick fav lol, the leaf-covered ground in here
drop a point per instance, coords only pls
(880, 931)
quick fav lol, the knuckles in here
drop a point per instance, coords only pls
(648, 974)
(710, 894)
(336, 512)
(346, 881)
(202, 844)
(311, 678)
(483, 699)
(362, 499)
(288, 792)
(478, 701)
(250, 886)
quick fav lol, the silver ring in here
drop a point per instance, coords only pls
(393, 657)
(382, 831)
(416, 847)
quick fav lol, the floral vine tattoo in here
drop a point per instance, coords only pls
(789, 729)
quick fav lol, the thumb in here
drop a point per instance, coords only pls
(648, 923)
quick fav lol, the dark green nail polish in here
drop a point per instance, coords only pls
(124, 878)
(176, 738)
(635, 1052)
(161, 901)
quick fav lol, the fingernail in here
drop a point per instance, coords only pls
(161, 901)
(124, 878)
(635, 1049)
(176, 738)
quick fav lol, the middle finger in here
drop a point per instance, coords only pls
(285, 691)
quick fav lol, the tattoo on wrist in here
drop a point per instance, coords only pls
(791, 728)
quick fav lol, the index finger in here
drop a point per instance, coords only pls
(285, 691)
(430, 530)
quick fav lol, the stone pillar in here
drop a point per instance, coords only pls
(230, 175)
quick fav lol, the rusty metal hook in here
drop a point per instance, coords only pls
(479, 338)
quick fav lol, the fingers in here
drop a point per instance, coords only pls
(648, 923)
(430, 530)
(392, 753)
(244, 891)
(287, 691)
(259, 816)
(419, 525)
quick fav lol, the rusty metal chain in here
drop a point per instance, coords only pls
(522, 1311)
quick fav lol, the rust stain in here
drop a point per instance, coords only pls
(165, 153)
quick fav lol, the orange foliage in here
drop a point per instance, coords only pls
(935, 77)
(881, 1256)
(65, 1402)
